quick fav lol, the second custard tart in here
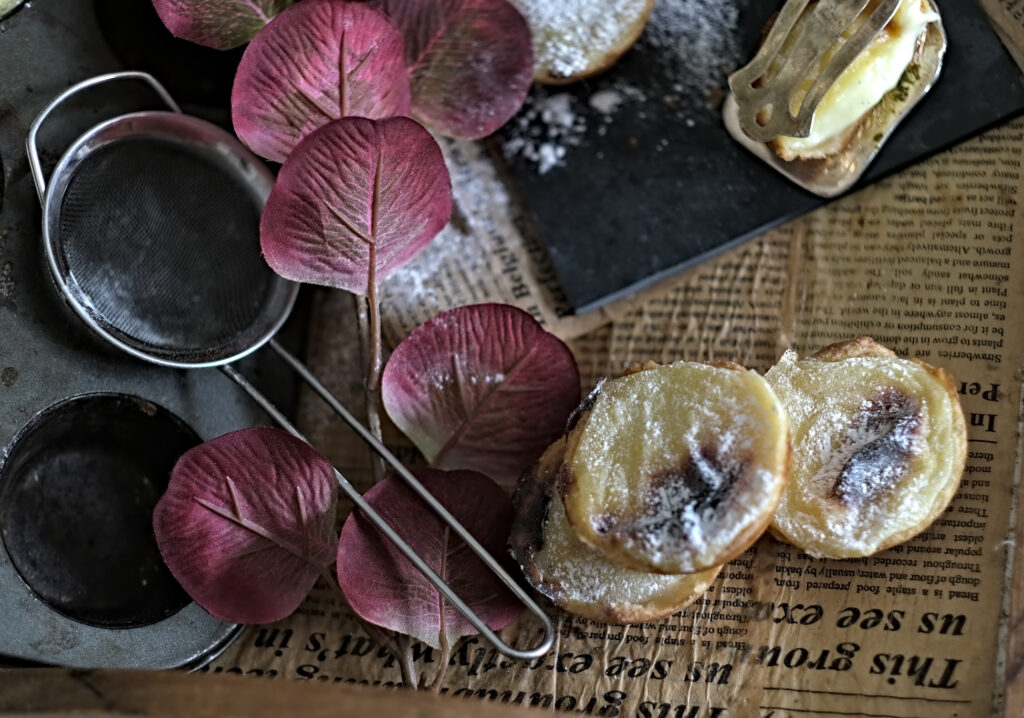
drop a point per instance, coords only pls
(676, 468)
(578, 577)
(879, 444)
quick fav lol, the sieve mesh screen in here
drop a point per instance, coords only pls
(160, 242)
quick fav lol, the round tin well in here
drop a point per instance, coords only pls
(77, 492)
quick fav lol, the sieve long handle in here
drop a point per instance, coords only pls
(418, 488)
(31, 144)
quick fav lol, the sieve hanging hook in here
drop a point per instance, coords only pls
(147, 293)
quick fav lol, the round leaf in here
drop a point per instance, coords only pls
(356, 200)
(220, 24)
(470, 62)
(482, 387)
(247, 523)
(384, 588)
(318, 61)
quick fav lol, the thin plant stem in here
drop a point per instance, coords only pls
(442, 633)
(368, 312)
(373, 376)
(405, 661)
(446, 655)
(380, 635)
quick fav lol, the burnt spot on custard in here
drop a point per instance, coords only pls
(584, 406)
(605, 523)
(883, 438)
(532, 500)
(679, 498)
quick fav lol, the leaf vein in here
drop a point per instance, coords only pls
(475, 411)
(255, 528)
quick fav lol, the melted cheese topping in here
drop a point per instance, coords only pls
(875, 71)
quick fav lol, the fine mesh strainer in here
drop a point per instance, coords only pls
(151, 227)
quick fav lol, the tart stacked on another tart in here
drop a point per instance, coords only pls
(578, 577)
(668, 472)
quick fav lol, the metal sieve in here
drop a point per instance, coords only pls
(150, 229)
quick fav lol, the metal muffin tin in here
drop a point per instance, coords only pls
(48, 356)
(81, 579)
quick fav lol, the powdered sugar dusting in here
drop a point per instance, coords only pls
(545, 128)
(697, 43)
(686, 50)
(881, 439)
(574, 571)
(847, 427)
(684, 516)
(606, 101)
(572, 36)
(550, 124)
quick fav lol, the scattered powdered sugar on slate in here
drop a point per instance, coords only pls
(690, 46)
(550, 124)
(696, 42)
(606, 101)
(544, 129)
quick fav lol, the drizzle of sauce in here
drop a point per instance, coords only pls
(883, 445)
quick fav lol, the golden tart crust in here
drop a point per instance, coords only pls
(879, 446)
(573, 40)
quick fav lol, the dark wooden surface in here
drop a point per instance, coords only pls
(60, 692)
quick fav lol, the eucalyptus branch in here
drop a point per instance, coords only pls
(380, 635)
(368, 312)
(405, 661)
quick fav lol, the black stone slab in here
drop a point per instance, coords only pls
(656, 193)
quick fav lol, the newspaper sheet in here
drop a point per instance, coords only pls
(925, 263)
(1008, 20)
(490, 252)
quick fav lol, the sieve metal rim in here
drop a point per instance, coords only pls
(176, 128)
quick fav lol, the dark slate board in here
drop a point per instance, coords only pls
(654, 194)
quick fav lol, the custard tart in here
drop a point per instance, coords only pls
(575, 39)
(676, 468)
(879, 446)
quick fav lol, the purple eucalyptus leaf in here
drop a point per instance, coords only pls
(356, 200)
(384, 588)
(247, 523)
(482, 387)
(470, 62)
(318, 61)
(220, 24)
